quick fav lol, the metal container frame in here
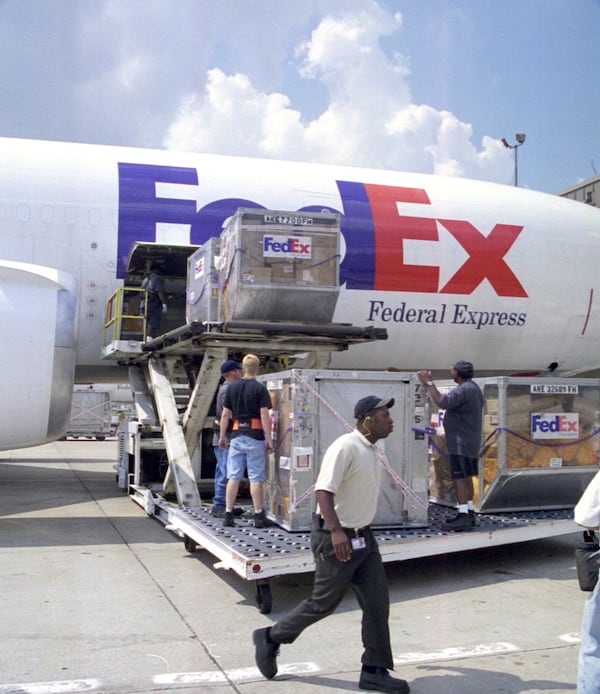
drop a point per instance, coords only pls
(507, 483)
(259, 287)
(311, 408)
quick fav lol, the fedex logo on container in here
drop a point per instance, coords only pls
(555, 426)
(298, 247)
(199, 268)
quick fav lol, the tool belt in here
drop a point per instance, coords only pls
(245, 424)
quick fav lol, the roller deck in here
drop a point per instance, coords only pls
(259, 554)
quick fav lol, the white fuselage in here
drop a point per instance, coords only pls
(452, 268)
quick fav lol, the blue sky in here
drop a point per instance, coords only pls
(429, 86)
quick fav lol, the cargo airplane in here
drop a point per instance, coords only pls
(452, 268)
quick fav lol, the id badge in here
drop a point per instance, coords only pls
(358, 543)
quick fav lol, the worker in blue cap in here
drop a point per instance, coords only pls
(231, 371)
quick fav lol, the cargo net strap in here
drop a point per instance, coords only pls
(490, 440)
(228, 270)
(412, 499)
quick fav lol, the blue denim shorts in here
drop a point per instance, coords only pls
(246, 453)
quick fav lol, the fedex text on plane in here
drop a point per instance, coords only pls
(374, 231)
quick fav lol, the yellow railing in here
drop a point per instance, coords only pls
(124, 319)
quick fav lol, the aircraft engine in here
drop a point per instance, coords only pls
(38, 308)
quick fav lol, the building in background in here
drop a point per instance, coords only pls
(587, 191)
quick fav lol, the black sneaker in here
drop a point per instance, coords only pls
(228, 521)
(261, 520)
(265, 652)
(382, 681)
(472, 516)
(239, 511)
(460, 522)
(217, 511)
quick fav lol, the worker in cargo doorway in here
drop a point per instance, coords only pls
(345, 551)
(463, 420)
(231, 372)
(246, 403)
(155, 301)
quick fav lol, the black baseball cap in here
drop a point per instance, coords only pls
(369, 403)
(230, 365)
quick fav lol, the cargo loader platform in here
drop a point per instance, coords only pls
(242, 295)
(259, 554)
(279, 338)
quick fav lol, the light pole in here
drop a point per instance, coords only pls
(520, 137)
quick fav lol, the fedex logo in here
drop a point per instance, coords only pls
(199, 268)
(375, 221)
(287, 247)
(555, 426)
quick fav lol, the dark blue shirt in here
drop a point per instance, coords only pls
(463, 419)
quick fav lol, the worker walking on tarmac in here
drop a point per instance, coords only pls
(247, 403)
(345, 551)
(231, 372)
(587, 514)
(463, 420)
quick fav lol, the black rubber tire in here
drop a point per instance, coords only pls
(264, 598)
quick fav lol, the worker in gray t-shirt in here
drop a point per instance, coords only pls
(463, 419)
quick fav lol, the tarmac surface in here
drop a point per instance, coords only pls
(98, 597)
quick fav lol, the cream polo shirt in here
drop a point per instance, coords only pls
(587, 510)
(350, 471)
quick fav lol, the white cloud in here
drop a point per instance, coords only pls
(369, 119)
(232, 117)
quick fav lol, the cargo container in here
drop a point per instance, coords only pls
(280, 266)
(90, 415)
(540, 436)
(202, 290)
(310, 409)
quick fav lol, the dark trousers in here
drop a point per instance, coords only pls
(365, 574)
